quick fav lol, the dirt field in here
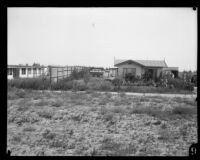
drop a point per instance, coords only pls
(93, 124)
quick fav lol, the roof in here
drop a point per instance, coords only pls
(24, 66)
(145, 63)
(171, 69)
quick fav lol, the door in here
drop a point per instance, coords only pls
(15, 72)
(150, 71)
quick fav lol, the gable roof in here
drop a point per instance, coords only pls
(145, 63)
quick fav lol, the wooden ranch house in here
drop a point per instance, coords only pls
(25, 71)
(139, 67)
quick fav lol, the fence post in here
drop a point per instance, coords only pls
(62, 72)
(57, 75)
(50, 75)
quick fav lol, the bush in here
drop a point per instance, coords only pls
(42, 103)
(177, 83)
(94, 83)
(108, 116)
(20, 93)
(105, 86)
(57, 103)
(189, 86)
(99, 84)
(46, 114)
(63, 84)
(29, 83)
(180, 84)
(117, 82)
(183, 110)
(79, 85)
(47, 134)
(83, 74)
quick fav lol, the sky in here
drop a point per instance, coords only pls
(95, 36)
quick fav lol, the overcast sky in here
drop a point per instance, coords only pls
(94, 36)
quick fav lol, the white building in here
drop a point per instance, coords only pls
(26, 71)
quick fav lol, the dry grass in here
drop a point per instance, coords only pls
(99, 124)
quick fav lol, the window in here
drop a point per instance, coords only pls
(34, 70)
(23, 71)
(39, 70)
(129, 70)
(10, 71)
(29, 70)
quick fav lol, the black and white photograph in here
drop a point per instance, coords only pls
(101, 81)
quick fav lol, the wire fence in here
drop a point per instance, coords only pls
(57, 73)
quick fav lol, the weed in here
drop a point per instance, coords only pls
(42, 103)
(46, 114)
(22, 105)
(58, 143)
(16, 138)
(104, 101)
(110, 145)
(163, 126)
(94, 152)
(57, 103)
(103, 110)
(93, 109)
(165, 135)
(122, 94)
(47, 134)
(184, 110)
(76, 117)
(118, 109)
(183, 130)
(108, 116)
(108, 95)
(29, 129)
(20, 93)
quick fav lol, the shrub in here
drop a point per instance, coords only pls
(24, 118)
(46, 114)
(183, 110)
(76, 117)
(83, 74)
(16, 138)
(165, 134)
(122, 94)
(57, 103)
(112, 147)
(58, 143)
(118, 109)
(183, 130)
(99, 84)
(79, 85)
(180, 84)
(105, 86)
(22, 105)
(189, 86)
(20, 93)
(63, 84)
(108, 116)
(29, 129)
(104, 101)
(47, 134)
(86, 77)
(42, 103)
(29, 83)
(117, 82)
